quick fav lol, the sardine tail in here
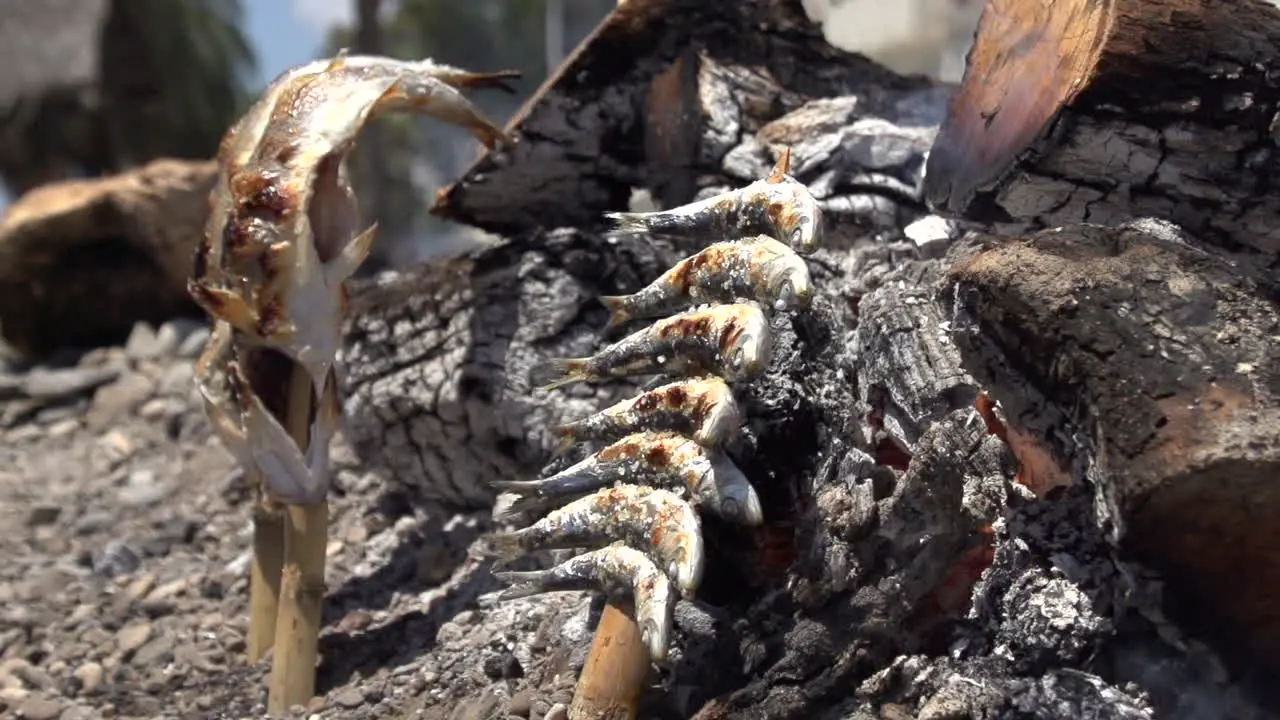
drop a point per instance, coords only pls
(562, 371)
(522, 584)
(783, 166)
(565, 439)
(497, 80)
(509, 506)
(628, 222)
(617, 307)
(503, 546)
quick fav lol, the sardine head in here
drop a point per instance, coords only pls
(739, 503)
(752, 348)
(655, 611)
(804, 230)
(686, 567)
(722, 422)
(790, 285)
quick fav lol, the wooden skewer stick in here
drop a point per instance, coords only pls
(293, 671)
(264, 573)
(609, 688)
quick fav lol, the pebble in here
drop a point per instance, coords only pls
(44, 384)
(194, 343)
(37, 708)
(349, 698)
(116, 558)
(142, 489)
(133, 637)
(119, 398)
(141, 587)
(156, 652)
(43, 515)
(145, 343)
(63, 428)
(90, 676)
(559, 711)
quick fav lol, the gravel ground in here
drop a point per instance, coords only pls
(123, 590)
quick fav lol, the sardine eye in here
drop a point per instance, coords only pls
(731, 509)
(786, 295)
(649, 634)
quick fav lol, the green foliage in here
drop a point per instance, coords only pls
(174, 75)
(195, 66)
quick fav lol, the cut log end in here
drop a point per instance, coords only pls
(1027, 62)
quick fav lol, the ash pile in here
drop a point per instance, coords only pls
(972, 506)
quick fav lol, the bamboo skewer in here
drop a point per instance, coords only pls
(610, 684)
(293, 670)
(264, 573)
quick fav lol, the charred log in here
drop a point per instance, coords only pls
(1082, 111)
(1162, 360)
(657, 83)
(928, 551)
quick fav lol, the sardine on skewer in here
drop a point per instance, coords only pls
(254, 435)
(778, 205)
(757, 268)
(655, 521)
(283, 229)
(704, 408)
(660, 459)
(733, 341)
(616, 569)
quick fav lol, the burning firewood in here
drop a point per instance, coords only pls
(282, 236)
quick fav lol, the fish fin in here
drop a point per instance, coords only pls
(349, 259)
(617, 307)
(520, 487)
(225, 305)
(522, 583)
(504, 546)
(780, 170)
(487, 80)
(509, 506)
(338, 60)
(566, 439)
(628, 221)
(562, 371)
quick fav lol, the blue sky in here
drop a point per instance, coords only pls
(284, 33)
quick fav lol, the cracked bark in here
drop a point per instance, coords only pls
(906, 568)
(1175, 116)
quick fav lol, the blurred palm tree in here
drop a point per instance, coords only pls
(97, 86)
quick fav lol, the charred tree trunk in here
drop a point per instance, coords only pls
(927, 552)
(1083, 111)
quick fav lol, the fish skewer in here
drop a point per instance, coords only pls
(757, 268)
(653, 520)
(778, 205)
(703, 408)
(616, 569)
(255, 436)
(733, 341)
(283, 230)
(661, 459)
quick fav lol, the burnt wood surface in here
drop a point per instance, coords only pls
(1084, 111)
(947, 474)
(1162, 359)
(633, 85)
